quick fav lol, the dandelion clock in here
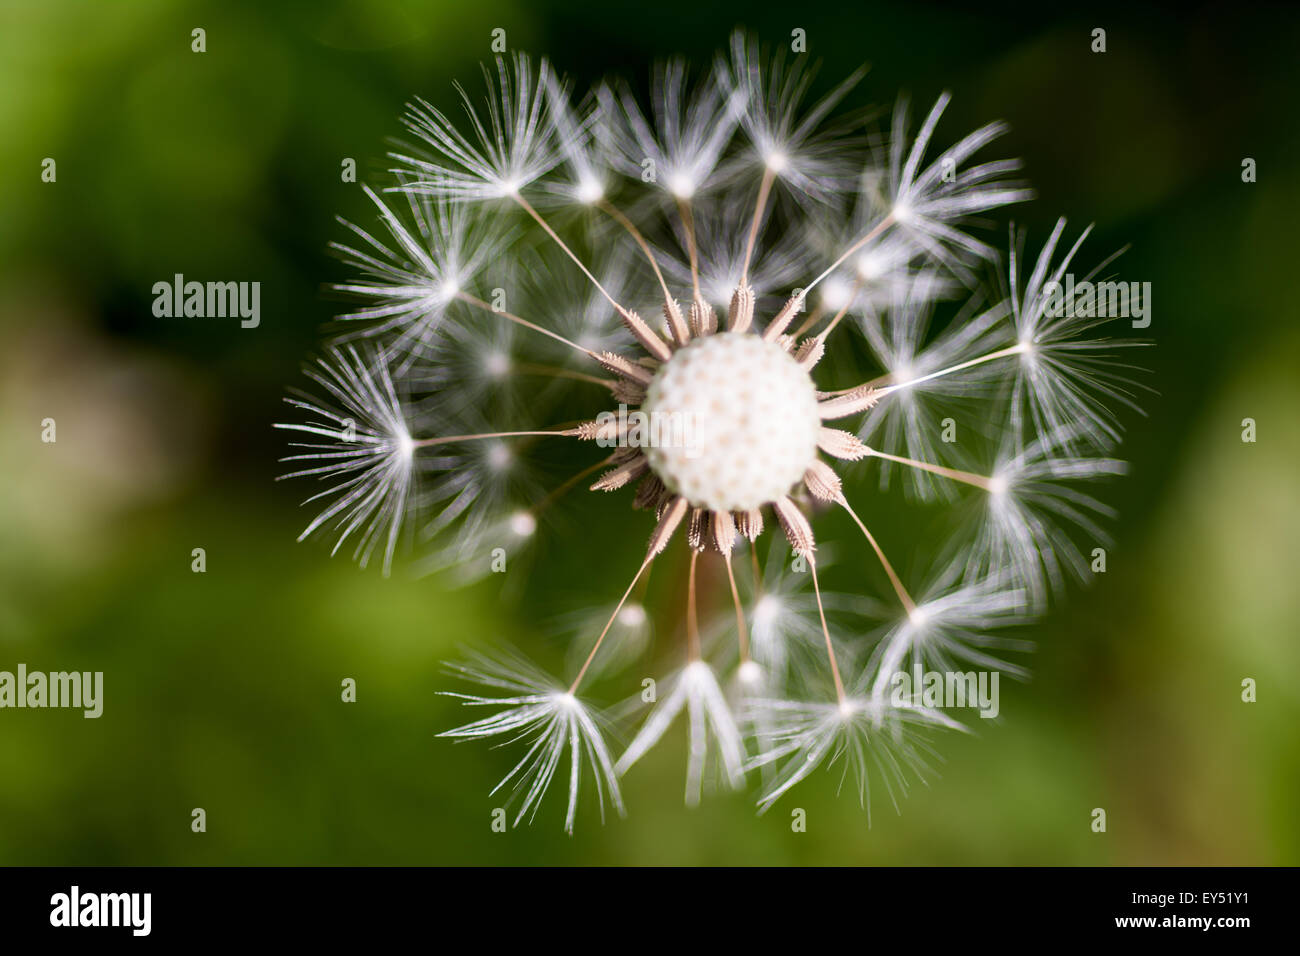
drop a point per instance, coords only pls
(772, 309)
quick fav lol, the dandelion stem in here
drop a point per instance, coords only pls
(566, 485)
(450, 439)
(558, 372)
(908, 604)
(692, 618)
(875, 231)
(882, 389)
(573, 688)
(688, 223)
(764, 190)
(830, 326)
(528, 208)
(970, 478)
(533, 326)
(741, 630)
(782, 320)
(826, 632)
(616, 214)
(992, 356)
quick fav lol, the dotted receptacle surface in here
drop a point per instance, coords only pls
(748, 413)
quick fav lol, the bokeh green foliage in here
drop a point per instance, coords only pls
(222, 689)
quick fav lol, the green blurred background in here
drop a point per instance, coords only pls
(222, 689)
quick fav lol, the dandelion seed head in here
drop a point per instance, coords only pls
(766, 611)
(411, 277)
(753, 414)
(497, 364)
(499, 457)
(958, 624)
(871, 265)
(750, 673)
(681, 185)
(632, 615)
(514, 142)
(902, 375)
(523, 524)
(680, 293)
(358, 439)
(864, 737)
(590, 191)
(529, 706)
(837, 293)
(1071, 381)
(712, 728)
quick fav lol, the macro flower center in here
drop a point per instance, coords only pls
(745, 417)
